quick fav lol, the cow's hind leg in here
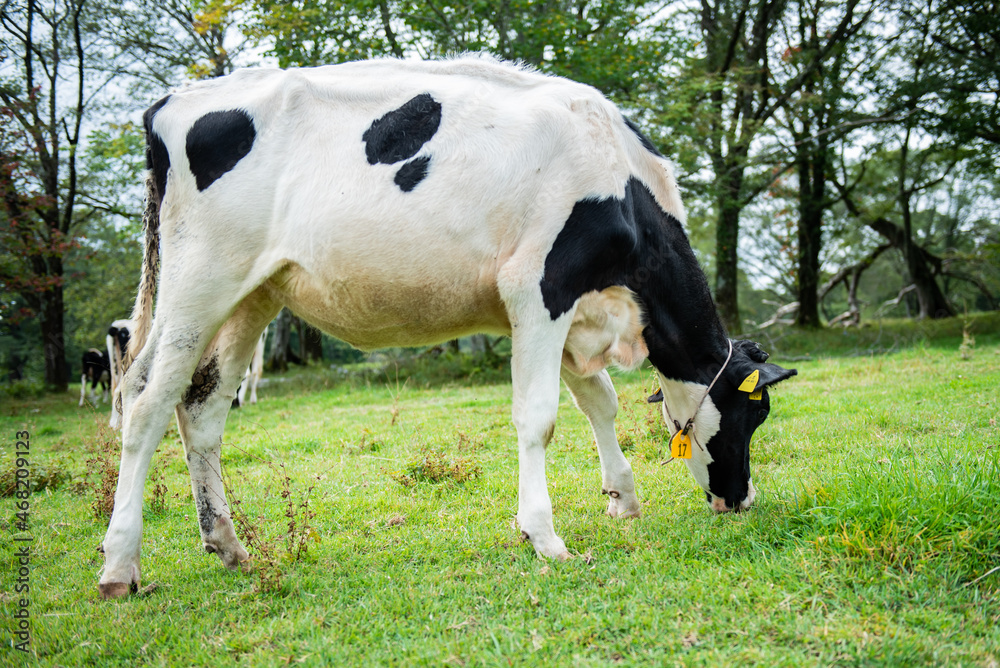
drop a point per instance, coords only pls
(595, 396)
(151, 388)
(201, 418)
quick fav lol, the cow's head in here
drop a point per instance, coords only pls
(737, 404)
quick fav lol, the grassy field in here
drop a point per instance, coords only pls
(874, 540)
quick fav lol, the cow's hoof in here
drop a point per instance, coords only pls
(617, 510)
(111, 590)
(232, 556)
(246, 565)
(224, 543)
(624, 505)
(545, 541)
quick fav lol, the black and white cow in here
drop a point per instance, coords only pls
(117, 343)
(405, 203)
(95, 370)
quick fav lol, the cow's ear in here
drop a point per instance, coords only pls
(772, 373)
(748, 370)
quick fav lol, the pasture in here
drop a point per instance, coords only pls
(874, 539)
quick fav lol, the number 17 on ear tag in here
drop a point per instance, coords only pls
(680, 446)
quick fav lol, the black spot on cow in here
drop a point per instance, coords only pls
(217, 142)
(399, 134)
(206, 512)
(633, 242)
(412, 173)
(594, 250)
(203, 383)
(157, 158)
(648, 145)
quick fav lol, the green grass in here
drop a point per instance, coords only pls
(872, 541)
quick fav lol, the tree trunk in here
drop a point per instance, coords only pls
(933, 303)
(53, 337)
(851, 277)
(726, 268)
(310, 342)
(812, 158)
(921, 267)
(277, 360)
(812, 192)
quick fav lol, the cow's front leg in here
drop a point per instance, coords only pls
(595, 396)
(535, 365)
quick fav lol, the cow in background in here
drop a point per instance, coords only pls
(119, 334)
(253, 375)
(96, 370)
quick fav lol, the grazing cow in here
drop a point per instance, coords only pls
(95, 370)
(253, 375)
(401, 203)
(117, 342)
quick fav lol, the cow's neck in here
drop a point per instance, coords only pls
(686, 339)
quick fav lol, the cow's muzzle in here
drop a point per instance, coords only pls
(719, 504)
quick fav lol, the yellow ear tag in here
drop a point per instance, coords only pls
(680, 446)
(757, 394)
(750, 382)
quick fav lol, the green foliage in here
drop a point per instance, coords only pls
(715, 87)
(605, 43)
(50, 477)
(103, 289)
(101, 477)
(23, 389)
(439, 366)
(435, 467)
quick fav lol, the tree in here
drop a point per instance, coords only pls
(966, 38)
(101, 274)
(817, 116)
(609, 44)
(43, 110)
(165, 38)
(725, 97)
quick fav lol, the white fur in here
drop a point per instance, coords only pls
(305, 221)
(680, 400)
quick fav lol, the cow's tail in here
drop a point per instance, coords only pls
(142, 312)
